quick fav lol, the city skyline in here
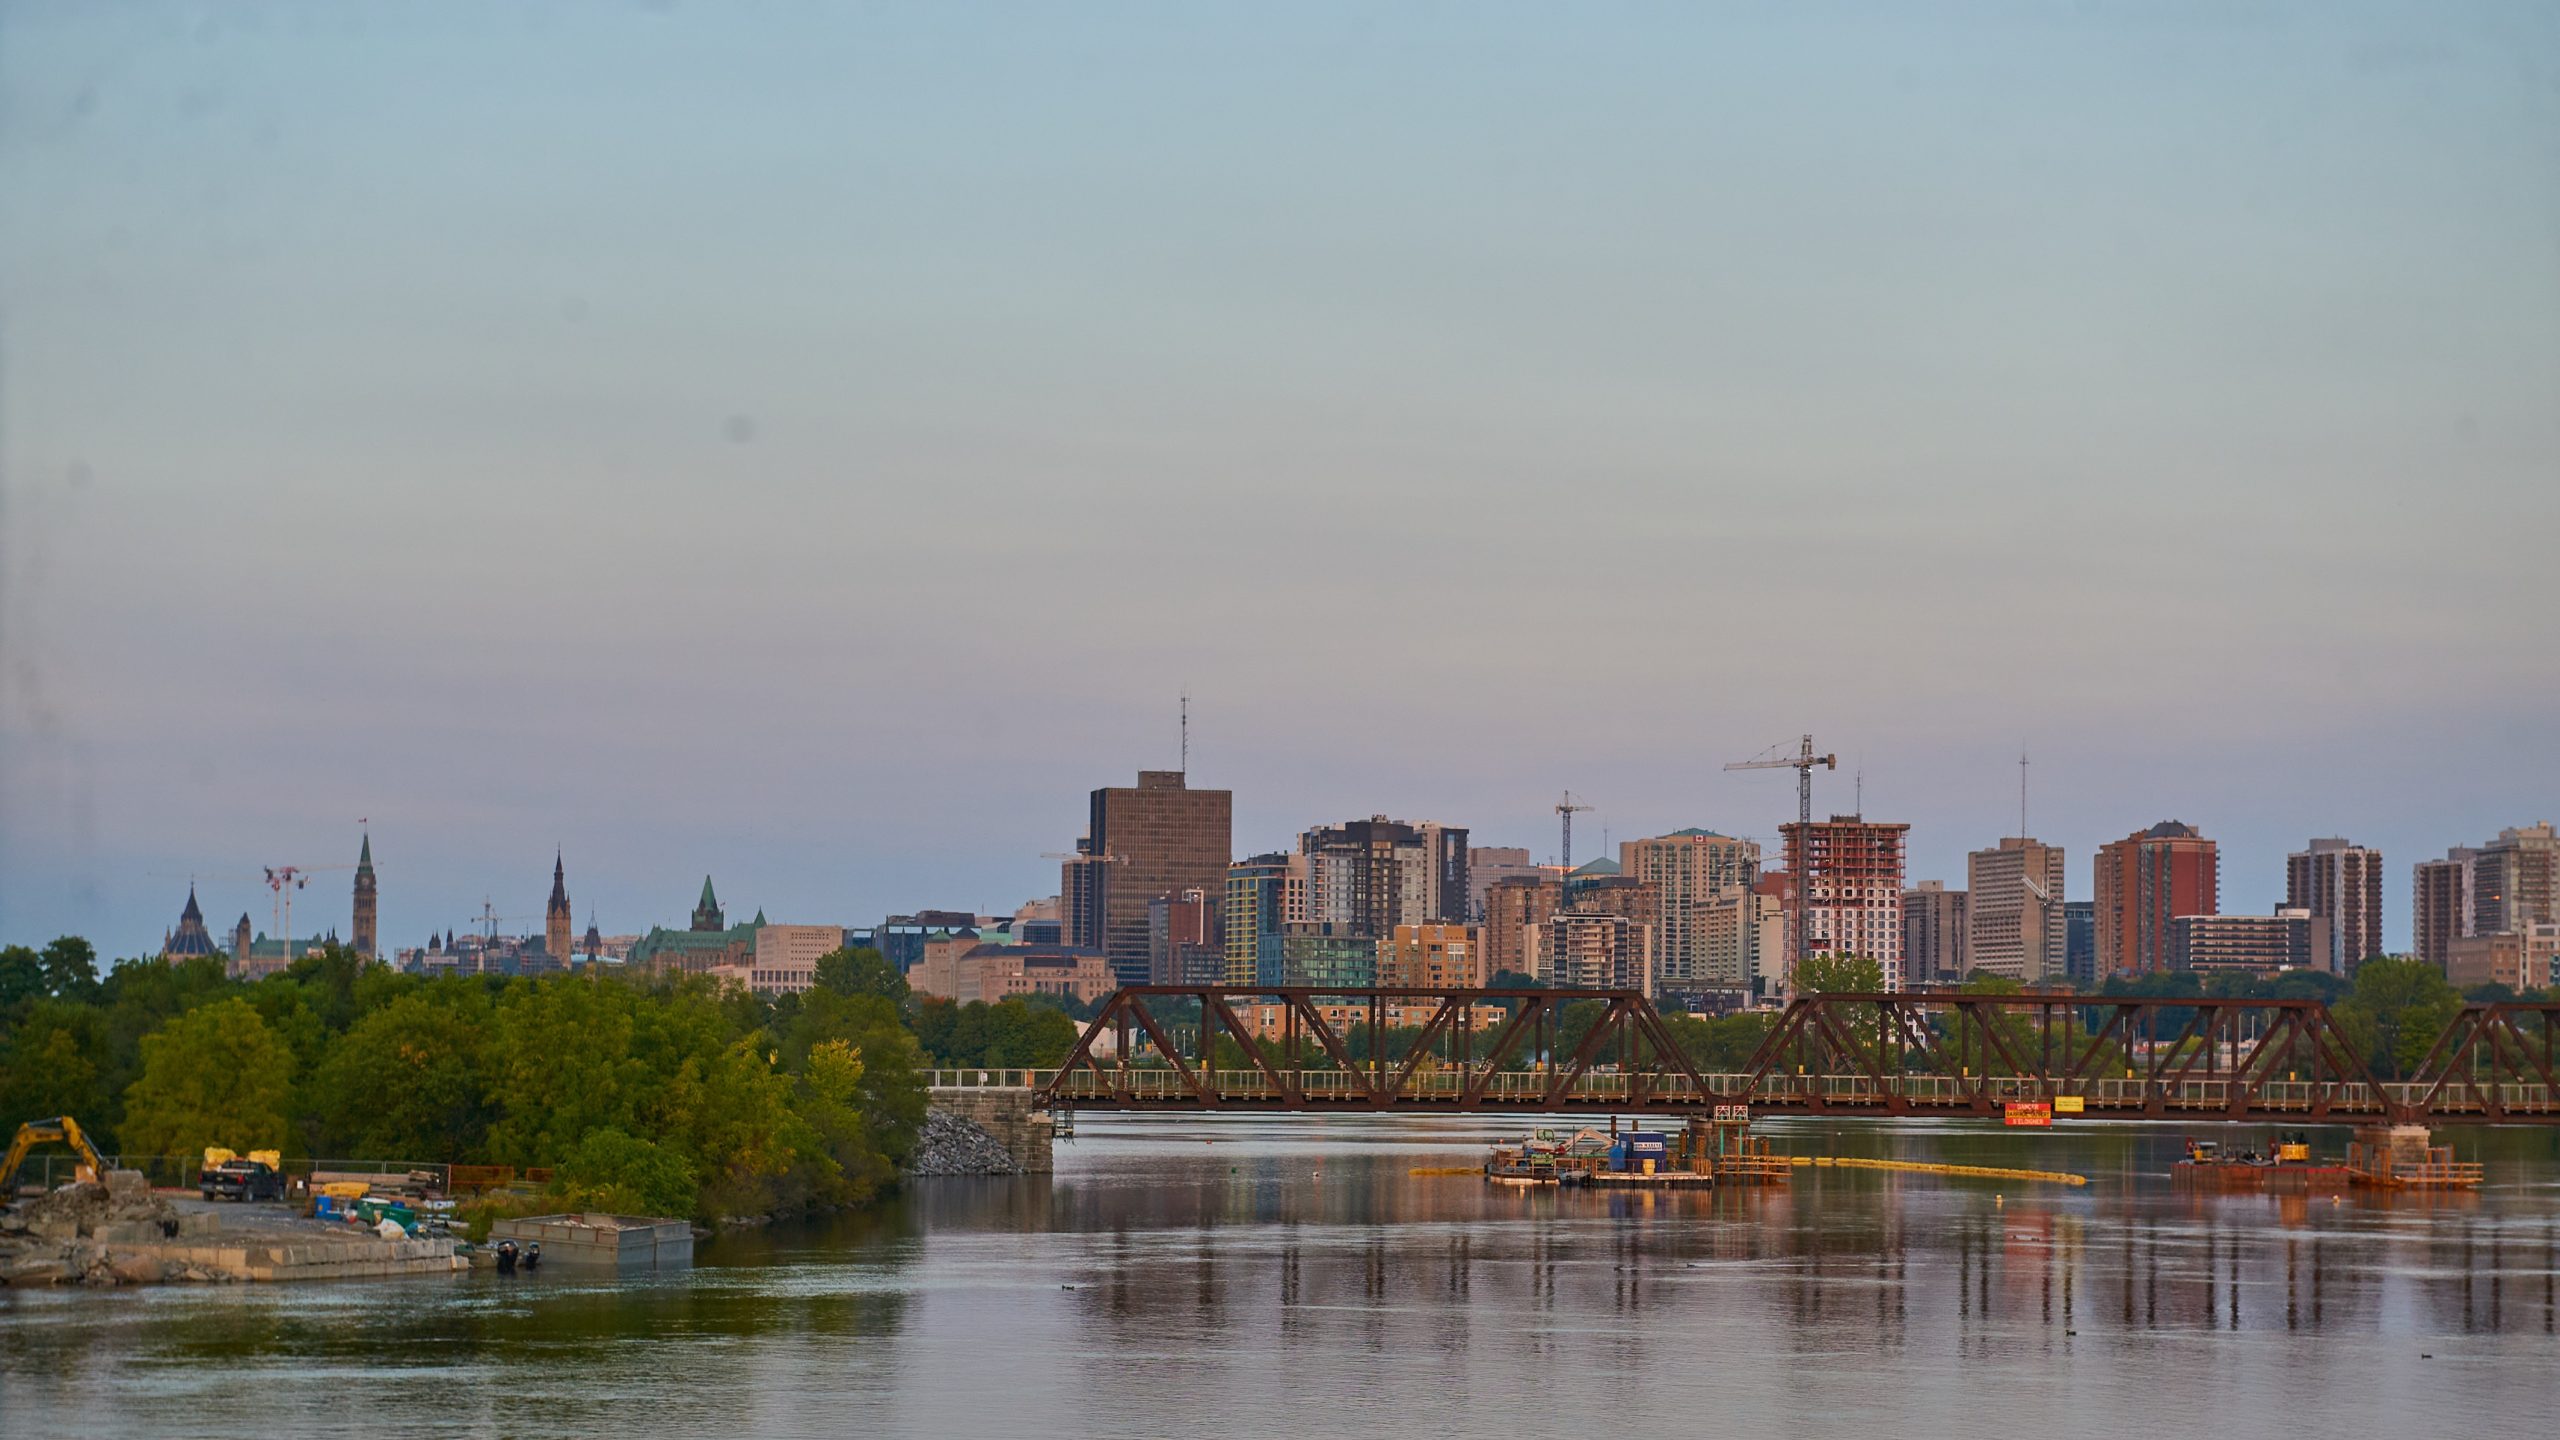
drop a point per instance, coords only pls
(631, 436)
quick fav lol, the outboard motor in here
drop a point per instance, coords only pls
(533, 1256)
(506, 1257)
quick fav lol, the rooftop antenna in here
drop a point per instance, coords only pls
(1186, 733)
(2022, 791)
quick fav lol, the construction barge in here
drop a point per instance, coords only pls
(2396, 1157)
(1708, 1151)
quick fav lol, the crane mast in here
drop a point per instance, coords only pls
(1803, 763)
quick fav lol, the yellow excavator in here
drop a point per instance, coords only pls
(92, 1167)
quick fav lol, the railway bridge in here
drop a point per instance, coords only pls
(1249, 1049)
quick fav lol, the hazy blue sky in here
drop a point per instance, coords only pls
(815, 444)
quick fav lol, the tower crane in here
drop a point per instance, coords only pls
(1565, 811)
(284, 880)
(1802, 762)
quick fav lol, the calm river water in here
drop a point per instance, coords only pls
(1291, 1277)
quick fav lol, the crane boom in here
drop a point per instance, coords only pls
(1565, 811)
(1802, 762)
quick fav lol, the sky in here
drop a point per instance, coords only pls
(814, 445)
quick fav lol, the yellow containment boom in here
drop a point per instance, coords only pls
(1921, 1167)
(92, 1168)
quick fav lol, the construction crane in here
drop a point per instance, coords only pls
(284, 880)
(1802, 762)
(1565, 810)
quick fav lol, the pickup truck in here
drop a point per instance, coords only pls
(240, 1180)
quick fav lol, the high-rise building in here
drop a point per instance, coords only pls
(1262, 894)
(1849, 870)
(556, 921)
(2342, 884)
(366, 931)
(2440, 904)
(1315, 953)
(1744, 937)
(1432, 957)
(2015, 926)
(1158, 837)
(2143, 882)
(1376, 874)
(1488, 863)
(2515, 880)
(2080, 949)
(1689, 868)
(1934, 934)
(1182, 939)
(1511, 905)
(2289, 939)
(1601, 937)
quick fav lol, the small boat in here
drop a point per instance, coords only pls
(2284, 1168)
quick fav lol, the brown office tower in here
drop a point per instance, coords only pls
(2144, 881)
(1934, 934)
(1511, 905)
(1851, 873)
(367, 929)
(1159, 837)
(2440, 905)
(2341, 884)
(1376, 874)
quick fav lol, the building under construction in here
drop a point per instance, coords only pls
(1849, 873)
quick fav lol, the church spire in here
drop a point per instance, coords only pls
(706, 915)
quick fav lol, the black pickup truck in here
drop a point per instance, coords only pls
(240, 1180)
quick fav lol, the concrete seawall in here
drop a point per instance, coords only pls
(1006, 1115)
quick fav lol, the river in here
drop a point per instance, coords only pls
(1290, 1276)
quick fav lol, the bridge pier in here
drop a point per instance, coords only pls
(1007, 1114)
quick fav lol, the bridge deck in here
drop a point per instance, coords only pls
(1445, 1092)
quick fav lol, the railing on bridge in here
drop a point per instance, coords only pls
(1875, 1054)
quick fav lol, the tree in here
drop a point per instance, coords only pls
(51, 1062)
(861, 970)
(2396, 1009)
(560, 1065)
(216, 1075)
(621, 1174)
(891, 1092)
(409, 1080)
(70, 967)
(1836, 973)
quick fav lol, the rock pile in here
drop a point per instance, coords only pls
(66, 1237)
(953, 1146)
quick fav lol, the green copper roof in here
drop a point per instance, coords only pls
(1695, 831)
(364, 859)
(709, 900)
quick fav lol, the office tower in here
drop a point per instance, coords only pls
(1376, 874)
(1262, 894)
(2440, 904)
(2515, 880)
(2342, 884)
(1158, 837)
(2015, 922)
(366, 931)
(1333, 958)
(2080, 950)
(2142, 883)
(1934, 934)
(1689, 868)
(1850, 872)
(1511, 905)
(1743, 935)
(1182, 948)
(1488, 863)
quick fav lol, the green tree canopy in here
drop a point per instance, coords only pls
(2396, 1009)
(216, 1075)
(1835, 973)
(407, 1081)
(861, 970)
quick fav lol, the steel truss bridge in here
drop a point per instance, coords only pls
(1502, 1051)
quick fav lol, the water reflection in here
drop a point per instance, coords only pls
(1292, 1277)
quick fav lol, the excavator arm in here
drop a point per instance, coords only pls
(37, 1132)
